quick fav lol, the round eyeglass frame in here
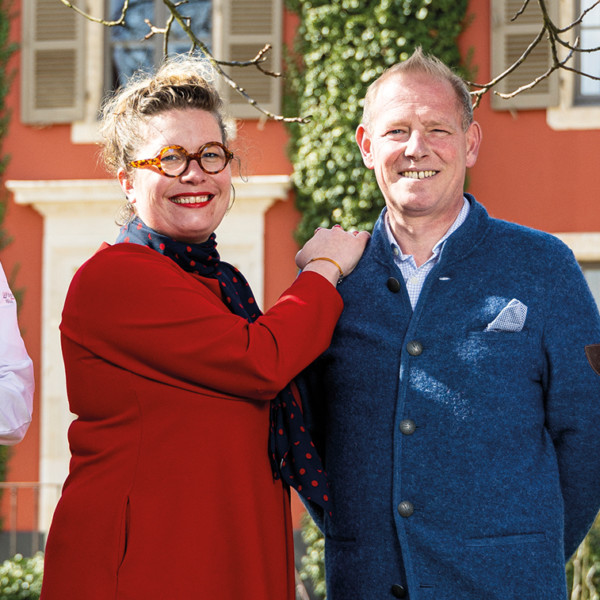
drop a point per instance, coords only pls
(197, 156)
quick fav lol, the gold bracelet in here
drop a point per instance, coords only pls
(331, 261)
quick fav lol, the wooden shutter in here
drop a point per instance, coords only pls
(51, 63)
(508, 41)
(241, 29)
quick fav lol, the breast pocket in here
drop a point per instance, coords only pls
(509, 356)
(502, 347)
(489, 337)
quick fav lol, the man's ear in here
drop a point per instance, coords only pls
(473, 137)
(126, 183)
(364, 143)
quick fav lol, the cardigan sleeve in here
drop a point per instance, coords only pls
(16, 372)
(572, 396)
(137, 309)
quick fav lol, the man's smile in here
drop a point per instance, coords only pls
(418, 174)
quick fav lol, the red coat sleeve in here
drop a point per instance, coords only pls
(135, 308)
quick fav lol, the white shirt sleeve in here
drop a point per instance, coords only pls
(16, 372)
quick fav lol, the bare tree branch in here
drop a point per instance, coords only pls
(549, 31)
(553, 34)
(486, 87)
(119, 21)
(579, 19)
(521, 10)
(198, 46)
(218, 64)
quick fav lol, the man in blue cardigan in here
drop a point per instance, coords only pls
(455, 410)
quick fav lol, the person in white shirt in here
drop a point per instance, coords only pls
(16, 372)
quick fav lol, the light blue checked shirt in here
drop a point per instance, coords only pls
(414, 276)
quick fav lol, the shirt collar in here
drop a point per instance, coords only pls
(460, 219)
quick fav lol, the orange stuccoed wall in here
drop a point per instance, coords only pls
(526, 173)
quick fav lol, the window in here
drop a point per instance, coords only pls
(129, 50)
(571, 101)
(587, 91)
(52, 65)
(509, 39)
(67, 61)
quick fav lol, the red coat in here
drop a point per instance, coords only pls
(170, 492)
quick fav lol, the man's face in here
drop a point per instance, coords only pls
(416, 145)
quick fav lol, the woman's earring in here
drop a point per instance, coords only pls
(232, 202)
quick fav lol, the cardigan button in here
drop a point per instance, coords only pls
(406, 508)
(414, 348)
(407, 426)
(393, 285)
(399, 591)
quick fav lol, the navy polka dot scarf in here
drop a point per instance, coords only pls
(291, 450)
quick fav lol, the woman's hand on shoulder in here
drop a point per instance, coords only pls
(333, 252)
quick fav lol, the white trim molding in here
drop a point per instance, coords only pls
(585, 245)
(78, 216)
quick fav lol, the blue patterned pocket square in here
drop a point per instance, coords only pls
(511, 318)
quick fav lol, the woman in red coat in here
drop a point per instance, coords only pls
(175, 376)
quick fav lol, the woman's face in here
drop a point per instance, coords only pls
(188, 207)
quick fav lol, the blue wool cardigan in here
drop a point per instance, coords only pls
(464, 464)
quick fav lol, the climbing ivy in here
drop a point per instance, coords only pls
(341, 47)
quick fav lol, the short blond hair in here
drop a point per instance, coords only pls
(419, 62)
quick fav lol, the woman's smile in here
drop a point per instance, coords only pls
(192, 201)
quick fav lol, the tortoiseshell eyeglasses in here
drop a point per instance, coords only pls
(173, 161)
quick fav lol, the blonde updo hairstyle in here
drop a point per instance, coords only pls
(181, 82)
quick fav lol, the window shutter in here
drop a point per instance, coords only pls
(509, 40)
(241, 29)
(52, 62)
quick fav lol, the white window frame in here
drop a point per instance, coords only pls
(567, 115)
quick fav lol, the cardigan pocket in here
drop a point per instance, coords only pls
(337, 536)
(482, 335)
(123, 535)
(500, 540)
(337, 531)
(339, 540)
(510, 354)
